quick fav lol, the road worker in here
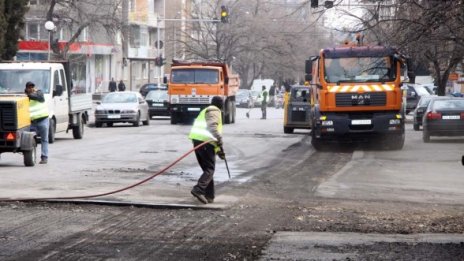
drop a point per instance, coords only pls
(207, 127)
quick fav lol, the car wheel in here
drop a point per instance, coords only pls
(136, 123)
(98, 124)
(109, 124)
(416, 127)
(146, 122)
(425, 136)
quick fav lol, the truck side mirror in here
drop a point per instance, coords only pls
(58, 90)
(309, 66)
(165, 79)
(308, 77)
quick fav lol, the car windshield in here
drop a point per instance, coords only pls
(119, 97)
(157, 95)
(359, 69)
(448, 105)
(14, 81)
(195, 76)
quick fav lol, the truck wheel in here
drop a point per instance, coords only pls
(288, 130)
(416, 126)
(234, 112)
(395, 142)
(174, 119)
(30, 156)
(228, 113)
(78, 131)
(51, 131)
(98, 124)
(136, 123)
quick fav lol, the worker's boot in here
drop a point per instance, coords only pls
(199, 195)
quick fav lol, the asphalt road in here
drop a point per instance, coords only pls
(279, 184)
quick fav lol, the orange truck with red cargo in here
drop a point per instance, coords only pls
(192, 85)
(357, 96)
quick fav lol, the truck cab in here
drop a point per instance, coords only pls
(357, 95)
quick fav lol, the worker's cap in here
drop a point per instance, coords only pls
(217, 101)
(30, 84)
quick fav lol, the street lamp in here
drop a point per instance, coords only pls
(49, 26)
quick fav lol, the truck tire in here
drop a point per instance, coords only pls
(228, 112)
(288, 130)
(234, 112)
(51, 131)
(396, 142)
(78, 131)
(30, 156)
(174, 118)
(98, 124)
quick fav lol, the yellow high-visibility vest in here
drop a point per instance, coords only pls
(199, 129)
(37, 109)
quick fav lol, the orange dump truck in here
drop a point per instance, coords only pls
(192, 85)
(357, 96)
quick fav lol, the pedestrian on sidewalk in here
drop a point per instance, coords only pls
(264, 94)
(207, 127)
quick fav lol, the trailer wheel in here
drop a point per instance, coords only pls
(51, 131)
(78, 131)
(30, 156)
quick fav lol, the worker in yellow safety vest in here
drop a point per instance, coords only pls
(207, 127)
(38, 111)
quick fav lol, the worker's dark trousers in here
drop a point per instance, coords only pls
(263, 110)
(207, 159)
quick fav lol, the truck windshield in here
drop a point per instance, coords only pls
(195, 76)
(14, 81)
(359, 69)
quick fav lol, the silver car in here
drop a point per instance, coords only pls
(120, 107)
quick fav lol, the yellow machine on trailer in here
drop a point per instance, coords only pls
(15, 123)
(297, 108)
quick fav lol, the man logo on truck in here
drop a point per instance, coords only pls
(360, 99)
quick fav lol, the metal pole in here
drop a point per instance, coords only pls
(158, 46)
(49, 43)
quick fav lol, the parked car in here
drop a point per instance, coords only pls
(158, 103)
(151, 87)
(117, 107)
(443, 117)
(414, 93)
(420, 109)
(244, 99)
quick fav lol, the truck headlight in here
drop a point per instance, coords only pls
(395, 122)
(174, 101)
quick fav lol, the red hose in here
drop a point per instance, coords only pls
(114, 191)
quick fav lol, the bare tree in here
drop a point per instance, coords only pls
(431, 32)
(75, 16)
(262, 39)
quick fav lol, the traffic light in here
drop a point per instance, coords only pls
(224, 14)
(160, 60)
(314, 3)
